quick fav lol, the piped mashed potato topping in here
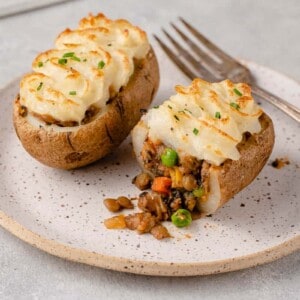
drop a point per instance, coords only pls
(205, 120)
(88, 66)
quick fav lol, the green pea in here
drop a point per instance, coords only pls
(169, 158)
(181, 218)
(198, 192)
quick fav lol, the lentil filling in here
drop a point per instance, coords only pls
(176, 183)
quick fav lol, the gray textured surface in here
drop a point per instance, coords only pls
(31, 274)
(266, 32)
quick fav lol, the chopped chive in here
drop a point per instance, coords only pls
(84, 60)
(109, 45)
(170, 106)
(195, 131)
(156, 106)
(75, 58)
(62, 61)
(101, 64)
(73, 93)
(176, 117)
(188, 110)
(69, 54)
(40, 64)
(235, 105)
(40, 86)
(217, 115)
(237, 92)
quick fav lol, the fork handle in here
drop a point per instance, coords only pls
(290, 109)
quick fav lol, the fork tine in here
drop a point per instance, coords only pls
(202, 55)
(208, 44)
(184, 53)
(181, 50)
(187, 56)
(175, 59)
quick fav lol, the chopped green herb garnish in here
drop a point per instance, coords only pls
(40, 86)
(195, 131)
(188, 111)
(84, 60)
(75, 58)
(176, 117)
(108, 45)
(237, 92)
(170, 106)
(62, 61)
(69, 54)
(40, 64)
(101, 64)
(156, 106)
(217, 115)
(235, 105)
(73, 93)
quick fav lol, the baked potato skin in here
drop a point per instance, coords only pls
(94, 140)
(233, 176)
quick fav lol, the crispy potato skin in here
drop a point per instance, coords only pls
(233, 176)
(92, 141)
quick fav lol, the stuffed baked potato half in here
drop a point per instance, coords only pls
(86, 95)
(201, 147)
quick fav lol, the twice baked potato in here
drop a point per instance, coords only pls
(201, 147)
(87, 93)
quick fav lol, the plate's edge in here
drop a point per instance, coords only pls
(143, 267)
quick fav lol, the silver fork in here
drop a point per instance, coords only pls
(215, 65)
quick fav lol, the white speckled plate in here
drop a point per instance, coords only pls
(61, 212)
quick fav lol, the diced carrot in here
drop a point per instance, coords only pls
(161, 184)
